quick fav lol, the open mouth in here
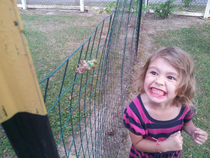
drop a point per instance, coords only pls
(157, 92)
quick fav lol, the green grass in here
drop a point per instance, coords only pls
(51, 39)
(195, 41)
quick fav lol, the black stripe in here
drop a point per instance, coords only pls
(164, 126)
(132, 121)
(131, 129)
(165, 135)
(187, 120)
(134, 152)
(158, 155)
(136, 111)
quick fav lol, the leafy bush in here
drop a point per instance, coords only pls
(109, 8)
(112, 5)
(163, 10)
(187, 2)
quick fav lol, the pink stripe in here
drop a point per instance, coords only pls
(132, 154)
(137, 152)
(189, 116)
(132, 114)
(140, 109)
(132, 147)
(186, 110)
(147, 156)
(167, 130)
(136, 128)
(179, 154)
(173, 155)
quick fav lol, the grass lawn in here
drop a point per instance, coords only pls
(195, 41)
(51, 39)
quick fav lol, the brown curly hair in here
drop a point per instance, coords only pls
(183, 63)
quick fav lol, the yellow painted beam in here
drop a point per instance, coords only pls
(19, 88)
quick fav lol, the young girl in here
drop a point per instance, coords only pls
(157, 116)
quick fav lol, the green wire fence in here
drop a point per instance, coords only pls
(85, 110)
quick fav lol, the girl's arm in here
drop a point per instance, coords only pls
(199, 136)
(173, 143)
(189, 128)
(144, 145)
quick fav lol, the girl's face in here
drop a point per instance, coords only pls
(161, 82)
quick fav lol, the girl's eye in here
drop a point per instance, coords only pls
(171, 78)
(153, 73)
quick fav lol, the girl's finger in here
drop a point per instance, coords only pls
(202, 135)
(201, 140)
(198, 142)
(200, 132)
(197, 129)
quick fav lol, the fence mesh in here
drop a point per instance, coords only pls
(182, 5)
(197, 6)
(98, 3)
(19, 2)
(85, 110)
(189, 6)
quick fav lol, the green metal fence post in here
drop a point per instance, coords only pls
(139, 25)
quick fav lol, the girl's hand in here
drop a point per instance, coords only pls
(199, 136)
(174, 142)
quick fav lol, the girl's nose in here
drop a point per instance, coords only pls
(159, 82)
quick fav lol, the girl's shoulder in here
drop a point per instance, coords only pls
(136, 104)
(188, 109)
(136, 109)
(188, 112)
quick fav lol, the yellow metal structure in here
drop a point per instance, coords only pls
(19, 88)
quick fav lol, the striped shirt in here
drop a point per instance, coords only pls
(138, 121)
